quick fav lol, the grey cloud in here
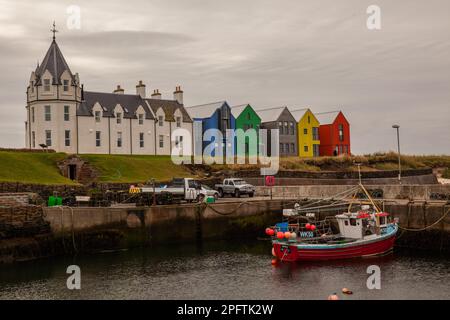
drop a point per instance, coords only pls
(300, 53)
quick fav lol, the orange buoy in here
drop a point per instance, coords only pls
(280, 235)
(287, 234)
(274, 261)
(333, 297)
(346, 291)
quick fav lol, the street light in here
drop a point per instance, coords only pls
(396, 126)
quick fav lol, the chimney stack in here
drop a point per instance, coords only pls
(178, 94)
(156, 94)
(140, 89)
(119, 90)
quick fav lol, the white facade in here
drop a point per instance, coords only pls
(61, 116)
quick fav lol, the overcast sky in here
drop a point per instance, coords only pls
(315, 53)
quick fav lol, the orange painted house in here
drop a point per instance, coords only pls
(334, 133)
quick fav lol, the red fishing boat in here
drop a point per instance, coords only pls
(365, 232)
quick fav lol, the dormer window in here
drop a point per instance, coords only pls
(161, 121)
(46, 85)
(119, 117)
(32, 86)
(66, 85)
(178, 122)
(141, 118)
(98, 115)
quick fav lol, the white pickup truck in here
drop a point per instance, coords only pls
(236, 187)
(186, 189)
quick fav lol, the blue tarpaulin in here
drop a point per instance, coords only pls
(282, 226)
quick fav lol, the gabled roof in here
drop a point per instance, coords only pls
(327, 117)
(169, 107)
(205, 110)
(237, 110)
(299, 113)
(55, 63)
(270, 114)
(109, 101)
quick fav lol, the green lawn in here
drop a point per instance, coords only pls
(135, 168)
(30, 167)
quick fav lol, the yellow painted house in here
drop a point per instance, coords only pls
(308, 133)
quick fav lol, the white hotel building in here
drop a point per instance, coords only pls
(64, 117)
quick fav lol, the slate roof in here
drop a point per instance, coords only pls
(109, 101)
(327, 117)
(55, 63)
(204, 110)
(270, 114)
(298, 113)
(169, 107)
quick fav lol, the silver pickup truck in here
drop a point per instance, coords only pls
(236, 187)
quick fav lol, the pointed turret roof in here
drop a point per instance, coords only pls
(55, 63)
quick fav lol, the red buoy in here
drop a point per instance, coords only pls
(313, 227)
(280, 235)
(308, 226)
(270, 232)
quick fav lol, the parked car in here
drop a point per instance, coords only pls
(236, 187)
(209, 192)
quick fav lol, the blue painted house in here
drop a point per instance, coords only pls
(216, 115)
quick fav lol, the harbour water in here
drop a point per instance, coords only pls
(224, 270)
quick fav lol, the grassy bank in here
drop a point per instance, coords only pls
(371, 162)
(29, 167)
(128, 169)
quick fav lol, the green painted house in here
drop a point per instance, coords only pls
(246, 118)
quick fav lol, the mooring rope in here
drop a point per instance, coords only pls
(427, 227)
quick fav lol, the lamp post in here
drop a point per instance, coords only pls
(396, 126)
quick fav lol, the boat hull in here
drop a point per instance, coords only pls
(294, 252)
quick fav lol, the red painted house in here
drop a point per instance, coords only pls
(334, 133)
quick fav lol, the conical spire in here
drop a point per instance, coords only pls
(54, 62)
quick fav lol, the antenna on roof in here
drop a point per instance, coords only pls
(54, 30)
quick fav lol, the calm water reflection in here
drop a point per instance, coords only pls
(223, 270)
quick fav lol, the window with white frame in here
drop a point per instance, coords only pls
(48, 138)
(66, 113)
(47, 113)
(141, 139)
(47, 85)
(161, 141)
(98, 116)
(141, 118)
(161, 121)
(341, 132)
(66, 85)
(97, 138)
(119, 139)
(67, 138)
(119, 117)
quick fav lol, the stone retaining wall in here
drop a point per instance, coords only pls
(17, 220)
